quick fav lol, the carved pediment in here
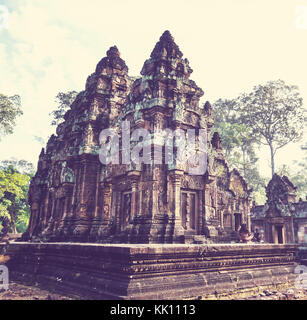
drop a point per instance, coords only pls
(192, 182)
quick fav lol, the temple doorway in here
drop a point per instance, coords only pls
(278, 234)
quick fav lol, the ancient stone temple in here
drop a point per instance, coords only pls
(76, 197)
(281, 219)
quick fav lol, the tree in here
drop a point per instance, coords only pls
(225, 110)
(274, 112)
(238, 143)
(64, 101)
(14, 186)
(299, 178)
(22, 166)
(297, 175)
(9, 111)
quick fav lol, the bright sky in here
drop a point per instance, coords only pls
(232, 45)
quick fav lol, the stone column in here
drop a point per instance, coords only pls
(107, 193)
(248, 214)
(140, 199)
(53, 205)
(83, 180)
(199, 217)
(188, 215)
(46, 207)
(292, 240)
(133, 198)
(134, 175)
(65, 207)
(222, 219)
(233, 216)
(97, 206)
(76, 189)
(176, 188)
(176, 181)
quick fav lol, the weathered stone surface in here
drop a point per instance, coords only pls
(153, 271)
(281, 219)
(74, 197)
(302, 254)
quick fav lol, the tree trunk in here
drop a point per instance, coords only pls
(13, 221)
(272, 159)
(244, 162)
(14, 230)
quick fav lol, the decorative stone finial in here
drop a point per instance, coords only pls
(166, 47)
(166, 36)
(112, 60)
(113, 52)
(208, 108)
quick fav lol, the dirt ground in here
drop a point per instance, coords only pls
(17, 291)
(290, 294)
(21, 292)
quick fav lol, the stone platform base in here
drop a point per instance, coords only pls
(152, 271)
(302, 254)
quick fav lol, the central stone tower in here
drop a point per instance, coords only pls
(75, 197)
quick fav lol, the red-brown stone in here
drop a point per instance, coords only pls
(74, 197)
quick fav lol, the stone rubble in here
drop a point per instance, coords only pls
(289, 294)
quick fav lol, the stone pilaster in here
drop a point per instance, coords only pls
(134, 176)
(178, 228)
(107, 197)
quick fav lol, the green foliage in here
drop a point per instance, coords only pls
(22, 166)
(9, 111)
(64, 101)
(14, 186)
(271, 114)
(239, 144)
(297, 174)
(275, 114)
(299, 178)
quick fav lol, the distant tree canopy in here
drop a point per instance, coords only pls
(9, 111)
(299, 178)
(14, 186)
(272, 114)
(297, 174)
(22, 166)
(238, 143)
(275, 114)
(64, 101)
(14, 175)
